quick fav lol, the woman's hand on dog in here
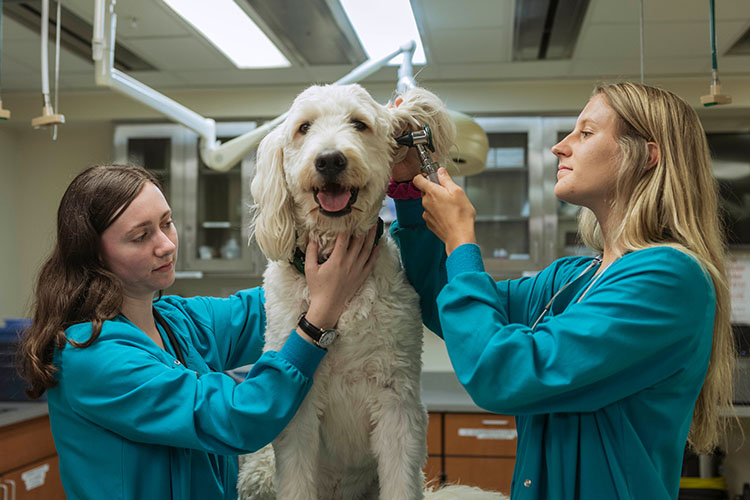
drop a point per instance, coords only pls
(335, 281)
(447, 210)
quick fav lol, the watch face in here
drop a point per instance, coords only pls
(327, 338)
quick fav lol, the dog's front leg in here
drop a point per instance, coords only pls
(399, 441)
(296, 450)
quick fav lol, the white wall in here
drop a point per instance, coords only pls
(10, 278)
(32, 182)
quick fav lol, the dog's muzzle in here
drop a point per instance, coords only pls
(334, 199)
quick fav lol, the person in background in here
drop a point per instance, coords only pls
(608, 364)
(140, 406)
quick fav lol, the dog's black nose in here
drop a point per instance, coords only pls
(330, 163)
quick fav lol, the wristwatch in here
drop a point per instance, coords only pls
(322, 338)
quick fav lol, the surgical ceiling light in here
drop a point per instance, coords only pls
(230, 30)
(381, 22)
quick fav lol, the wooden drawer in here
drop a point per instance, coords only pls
(25, 442)
(473, 434)
(484, 472)
(37, 481)
(435, 434)
(432, 470)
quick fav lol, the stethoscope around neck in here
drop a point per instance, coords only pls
(597, 260)
(170, 335)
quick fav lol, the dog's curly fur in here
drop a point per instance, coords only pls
(360, 433)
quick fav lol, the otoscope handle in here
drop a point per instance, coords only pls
(428, 167)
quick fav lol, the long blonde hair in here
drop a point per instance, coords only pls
(674, 203)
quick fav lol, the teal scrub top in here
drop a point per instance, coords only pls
(602, 390)
(130, 422)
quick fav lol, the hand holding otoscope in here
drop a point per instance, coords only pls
(422, 140)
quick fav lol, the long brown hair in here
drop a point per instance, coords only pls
(675, 204)
(73, 285)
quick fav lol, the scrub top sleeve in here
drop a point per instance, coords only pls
(118, 384)
(422, 256)
(230, 330)
(649, 317)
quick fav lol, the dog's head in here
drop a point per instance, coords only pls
(325, 169)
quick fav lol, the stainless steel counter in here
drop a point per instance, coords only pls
(12, 412)
(442, 392)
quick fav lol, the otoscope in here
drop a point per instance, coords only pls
(422, 140)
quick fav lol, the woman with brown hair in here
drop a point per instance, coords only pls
(140, 406)
(609, 364)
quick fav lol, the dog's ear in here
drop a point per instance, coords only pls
(273, 219)
(420, 107)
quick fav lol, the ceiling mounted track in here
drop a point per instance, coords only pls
(75, 33)
(547, 29)
(313, 32)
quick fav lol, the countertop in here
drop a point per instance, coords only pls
(441, 392)
(12, 412)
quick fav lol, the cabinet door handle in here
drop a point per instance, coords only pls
(5, 491)
(12, 488)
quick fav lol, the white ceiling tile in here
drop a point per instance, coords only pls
(158, 78)
(149, 18)
(688, 38)
(615, 68)
(14, 31)
(30, 53)
(695, 10)
(242, 77)
(614, 11)
(608, 41)
(21, 81)
(179, 54)
(457, 46)
(466, 40)
(452, 14)
(12, 65)
(625, 11)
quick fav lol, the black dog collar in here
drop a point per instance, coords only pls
(298, 261)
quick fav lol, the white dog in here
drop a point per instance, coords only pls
(361, 431)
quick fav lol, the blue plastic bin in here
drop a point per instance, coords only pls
(11, 383)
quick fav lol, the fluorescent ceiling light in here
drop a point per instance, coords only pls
(383, 26)
(230, 29)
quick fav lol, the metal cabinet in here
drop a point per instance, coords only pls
(211, 209)
(520, 224)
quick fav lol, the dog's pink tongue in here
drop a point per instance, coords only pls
(334, 201)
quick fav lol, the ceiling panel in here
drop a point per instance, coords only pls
(608, 41)
(14, 31)
(450, 14)
(483, 45)
(29, 51)
(181, 53)
(465, 40)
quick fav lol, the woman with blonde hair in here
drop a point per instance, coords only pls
(609, 364)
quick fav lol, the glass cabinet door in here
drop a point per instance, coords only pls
(561, 218)
(160, 148)
(506, 196)
(219, 204)
(211, 209)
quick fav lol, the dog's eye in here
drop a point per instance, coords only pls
(359, 125)
(304, 128)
